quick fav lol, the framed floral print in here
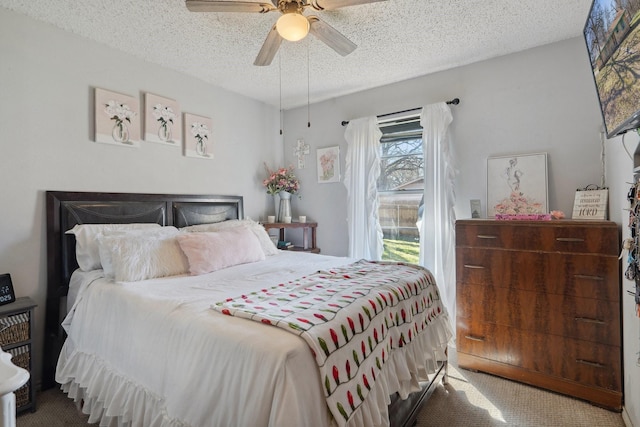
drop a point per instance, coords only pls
(328, 160)
(517, 186)
(197, 136)
(117, 118)
(162, 121)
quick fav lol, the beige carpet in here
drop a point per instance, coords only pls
(481, 400)
(470, 399)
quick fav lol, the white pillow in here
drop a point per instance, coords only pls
(105, 243)
(87, 253)
(263, 237)
(211, 251)
(140, 257)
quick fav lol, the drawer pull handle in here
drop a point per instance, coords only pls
(486, 236)
(472, 338)
(586, 276)
(473, 266)
(569, 239)
(589, 363)
(589, 320)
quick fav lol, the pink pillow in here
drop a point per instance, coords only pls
(211, 251)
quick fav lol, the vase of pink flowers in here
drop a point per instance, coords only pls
(281, 182)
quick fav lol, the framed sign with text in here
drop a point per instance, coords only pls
(591, 203)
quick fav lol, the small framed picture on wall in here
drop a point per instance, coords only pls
(197, 136)
(117, 118)
(328, 162)
(162, 121)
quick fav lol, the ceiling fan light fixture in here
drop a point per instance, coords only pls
(292, 26)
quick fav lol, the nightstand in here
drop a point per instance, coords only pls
(16, 326)
(309, 243)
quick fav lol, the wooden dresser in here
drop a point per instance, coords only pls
(539, 302)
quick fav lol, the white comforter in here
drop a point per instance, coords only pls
(153, 353)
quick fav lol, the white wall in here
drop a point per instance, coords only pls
(540, 100)
(46, 81)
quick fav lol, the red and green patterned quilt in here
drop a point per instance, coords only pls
(353, 318)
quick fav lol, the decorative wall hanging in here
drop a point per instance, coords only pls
(301, 150)
(197, 136)
(162, 121)
(117, 118)
(591, 202)
(328, 164)
(632, 244)
(517, 186)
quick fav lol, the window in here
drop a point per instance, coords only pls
(400, 187)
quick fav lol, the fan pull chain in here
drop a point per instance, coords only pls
(308, 85)
(280, 76)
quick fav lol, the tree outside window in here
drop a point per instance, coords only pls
(400, 189)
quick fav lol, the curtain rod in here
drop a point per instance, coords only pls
(454, 101)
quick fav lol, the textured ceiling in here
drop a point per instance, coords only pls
(397, 40)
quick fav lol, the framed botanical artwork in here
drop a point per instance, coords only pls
(517, 185)
(197, 136)
(162, 121)
(117, 118)
(328, 160)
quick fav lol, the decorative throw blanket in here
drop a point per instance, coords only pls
(352, 318)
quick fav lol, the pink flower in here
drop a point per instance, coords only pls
(281, 180)
(518, 203)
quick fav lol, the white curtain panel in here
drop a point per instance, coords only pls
(437, 228)
(361, 176)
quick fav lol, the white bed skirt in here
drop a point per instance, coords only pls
(115, 401)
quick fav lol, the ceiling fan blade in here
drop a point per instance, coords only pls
(330, 36)
(228, 6)
(269, 48)
(337, 4)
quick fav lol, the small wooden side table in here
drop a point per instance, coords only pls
(309, 242)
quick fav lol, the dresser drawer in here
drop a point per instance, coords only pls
(590, 364)
(581, 275)
(563, 315)
(548, 236)
(498, 267)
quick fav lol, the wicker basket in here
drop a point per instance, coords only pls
(23, 395)
(14, 329)
(21, 356)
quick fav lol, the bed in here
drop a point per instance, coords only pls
(184, 349)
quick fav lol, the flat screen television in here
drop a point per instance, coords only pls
(612, 36)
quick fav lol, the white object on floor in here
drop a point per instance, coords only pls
(12, 377)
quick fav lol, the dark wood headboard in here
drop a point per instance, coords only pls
(66, 209)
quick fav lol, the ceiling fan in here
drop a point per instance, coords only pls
(292, 25)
